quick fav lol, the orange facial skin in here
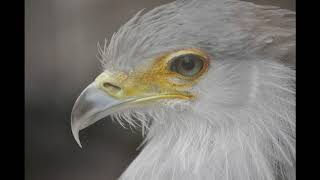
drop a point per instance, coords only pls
(155, 80)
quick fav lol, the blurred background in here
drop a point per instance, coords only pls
(60, 60)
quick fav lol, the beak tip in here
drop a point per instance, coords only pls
(75, 132)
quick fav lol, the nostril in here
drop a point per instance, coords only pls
(111, 87)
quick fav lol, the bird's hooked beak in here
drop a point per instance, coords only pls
(104, 97)
(92, 105)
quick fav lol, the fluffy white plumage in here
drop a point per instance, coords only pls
(242, 124)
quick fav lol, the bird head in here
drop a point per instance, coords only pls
(197, 70)
(177, 58)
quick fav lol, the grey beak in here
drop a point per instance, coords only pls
(92, 105)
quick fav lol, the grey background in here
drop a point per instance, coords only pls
(60, 60)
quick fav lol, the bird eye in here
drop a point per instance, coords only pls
(187, 65)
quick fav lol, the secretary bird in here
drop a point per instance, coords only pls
(207, 83)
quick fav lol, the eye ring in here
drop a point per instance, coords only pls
(189, 64)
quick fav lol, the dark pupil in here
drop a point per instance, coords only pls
(187, 63)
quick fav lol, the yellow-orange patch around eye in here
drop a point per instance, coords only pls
(160, 69)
